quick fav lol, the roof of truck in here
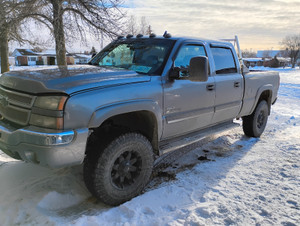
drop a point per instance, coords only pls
(176, 38)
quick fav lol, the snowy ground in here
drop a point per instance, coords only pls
(231, 180)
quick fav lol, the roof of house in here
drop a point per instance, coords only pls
(82, 56)
(48, 52)
(27, 52)
(253, 59)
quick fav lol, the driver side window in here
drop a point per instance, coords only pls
(185, 54)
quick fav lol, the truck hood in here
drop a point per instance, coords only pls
(69, 79)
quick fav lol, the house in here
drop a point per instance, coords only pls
(274, 58)
(49, 57)
(11, 61)
(80, 58)
(277, 62)
(26, 57)
(252, 62)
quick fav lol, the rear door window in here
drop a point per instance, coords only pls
(224, 60)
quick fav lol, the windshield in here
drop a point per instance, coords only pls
(146, 56)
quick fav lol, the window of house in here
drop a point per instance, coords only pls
(32, 58)
(224, 60)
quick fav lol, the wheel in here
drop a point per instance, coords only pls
(255, 124)
(121, 170)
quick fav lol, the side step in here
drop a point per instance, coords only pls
(186, 140)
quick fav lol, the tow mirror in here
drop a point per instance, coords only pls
(175, 73)
(198, 69)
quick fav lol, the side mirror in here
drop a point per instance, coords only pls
(198, 69)
(175, 73)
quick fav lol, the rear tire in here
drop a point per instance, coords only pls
(255, 124)
(121, 170)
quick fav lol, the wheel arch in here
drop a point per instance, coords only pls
(264, 93)
(134, 116)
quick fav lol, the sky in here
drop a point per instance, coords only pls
(259, 24)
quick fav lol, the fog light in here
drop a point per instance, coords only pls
(59, 139)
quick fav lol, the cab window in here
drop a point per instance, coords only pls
(224, 60)
(185, 54)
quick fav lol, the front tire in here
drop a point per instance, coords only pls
(121, 170)
(255, 124)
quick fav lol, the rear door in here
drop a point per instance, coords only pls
(188, 105)
(229, 84)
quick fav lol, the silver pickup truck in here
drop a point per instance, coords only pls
(138, 96)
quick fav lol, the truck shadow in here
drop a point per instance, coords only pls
(211, 149)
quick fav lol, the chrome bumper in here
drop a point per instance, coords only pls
(45, 147)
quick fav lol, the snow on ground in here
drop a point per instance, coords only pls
(231, 180)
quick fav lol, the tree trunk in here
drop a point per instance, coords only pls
(4, 51)
(59, 34)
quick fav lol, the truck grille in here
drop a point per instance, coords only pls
(15, 106)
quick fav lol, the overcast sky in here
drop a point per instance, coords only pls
(260, 24)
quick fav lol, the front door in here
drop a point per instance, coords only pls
(188, 105)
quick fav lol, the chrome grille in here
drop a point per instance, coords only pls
(15, 106)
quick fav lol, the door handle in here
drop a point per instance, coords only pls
(210, 87)
(236, 84)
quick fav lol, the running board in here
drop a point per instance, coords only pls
(183, 141)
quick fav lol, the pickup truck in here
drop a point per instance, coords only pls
(137, 97)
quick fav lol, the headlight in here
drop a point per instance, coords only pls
(46, 121)
(50, 102)
(47, 112)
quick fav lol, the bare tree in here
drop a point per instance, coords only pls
(144, 26)
(134, 28)
(13, 14)
(248, 53)
(149, 31)
(78, 17)
(291, 44)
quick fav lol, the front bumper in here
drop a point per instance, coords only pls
(42, 146)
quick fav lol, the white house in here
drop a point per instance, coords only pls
(25, 57)
(49, 57)
(252, 62)
(80, 58)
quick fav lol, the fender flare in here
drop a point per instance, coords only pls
(108, 111)
(267, 87)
